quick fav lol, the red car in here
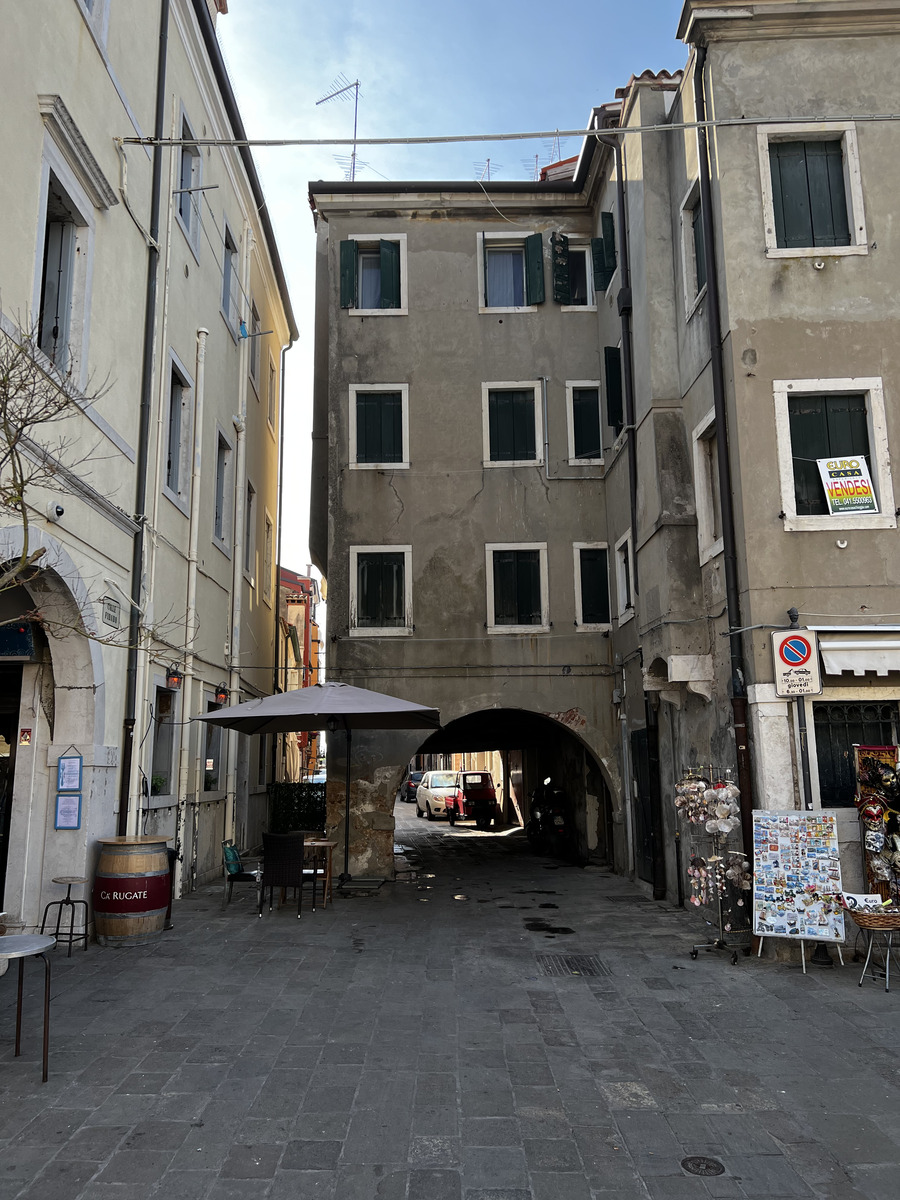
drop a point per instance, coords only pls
(475, 799)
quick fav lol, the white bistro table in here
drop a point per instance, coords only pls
(22, 946)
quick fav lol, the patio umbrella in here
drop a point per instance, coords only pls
(330, 706)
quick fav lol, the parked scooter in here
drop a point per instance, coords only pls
(550, 829)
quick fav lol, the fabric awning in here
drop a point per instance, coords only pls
(859, 648)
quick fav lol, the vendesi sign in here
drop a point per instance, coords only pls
(796, 655)
(848, 485)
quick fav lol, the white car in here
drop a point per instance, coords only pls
(432, 793)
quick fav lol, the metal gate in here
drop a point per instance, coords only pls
(839, 727)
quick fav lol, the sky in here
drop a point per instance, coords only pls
(473, 66)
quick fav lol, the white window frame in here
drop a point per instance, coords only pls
(571, 385)
(507, 385)
(403, 389)
(879, 454)
(500, 240)
(708, 544)
(541, 547)
(824, 131)
(405, 630)
(268, 557)
(229, 306)
(248, 550)
(372, 239)
(580, 624)
(82, 274)
(255, 347)
(582, 245)
(693, 296)
(191, 230)
(223, 540)
(624, 552)
(181, 497)
(96, 16)
(272, 396)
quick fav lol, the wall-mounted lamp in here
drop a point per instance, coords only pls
(331, 724)
(222, 693)
(174, 678)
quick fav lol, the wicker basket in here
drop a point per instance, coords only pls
(886, 920)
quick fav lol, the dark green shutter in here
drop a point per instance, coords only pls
(808, 195)
(827, 201)
(517, 587)
(559, 253)
(699, 247)
(379, 429)
(348, 274)
(511, 425)
(390, 274)
(380, 592)
(594, 586)
(602, 276)
(505, 611)
(829, 426)
(534, 269)
(586, 423)
(608, 229)
(612, 359)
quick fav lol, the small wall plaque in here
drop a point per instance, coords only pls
(68, 810)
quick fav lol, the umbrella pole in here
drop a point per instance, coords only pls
(346, 876)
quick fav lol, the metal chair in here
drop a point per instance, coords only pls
(234, 870)
(282, 866)
(68, 903)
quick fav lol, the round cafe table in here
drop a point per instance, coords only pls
(22, 946)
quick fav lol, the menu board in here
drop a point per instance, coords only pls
(797, 876)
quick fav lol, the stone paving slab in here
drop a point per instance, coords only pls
(408, 1045)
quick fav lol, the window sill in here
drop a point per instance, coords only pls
(513, 462)
(815, 251)
(377, 312)
(695, 303)
(529, 308)
(794, 524)
(518, 630)
(586, 462)
(192, 242)
(222, 546)
(626, 616)
(231, 329)
(166, 800)
(707, 553)
(392, 466)
(588, 628)
(577, 308)
(404, 631)
(179, 502)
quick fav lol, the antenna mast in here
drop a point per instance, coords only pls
(341, 87)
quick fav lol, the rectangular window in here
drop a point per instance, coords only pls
(831, 418)
(189, 196)
(693, 252)
(511, 415)
(592, 585)
(255, 339)
(811, 189)
(624, 576)
(222, 518)
(58, 276)
(163, 743)
(272, 401)
(585, 436)
(250, 532)
(707, 490)
(212, 765)
(230, 284)
(517, 592)
(373, 275)
(612, 361)
(582, 269)
(178, 436)
(268, 558)
(380, 590)
(699, 249)
(510, 272)
(379, 425)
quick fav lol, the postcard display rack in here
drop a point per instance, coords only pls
(797, 878)
(719, 874)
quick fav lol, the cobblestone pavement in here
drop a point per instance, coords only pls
(411, 1045)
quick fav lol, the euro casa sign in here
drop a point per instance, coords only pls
(796, 656)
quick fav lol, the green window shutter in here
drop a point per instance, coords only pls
(379, 429)
(699, 247)
(380, 593)
(559, 255)
(602, 275)
(517, 587)
(608, 229)
(829, 426)
(594, 586)
(505, 607)
(612, 359)
(534, 269)
(586, 423)
(390, 274)
(827, 200)
(511, 425)
(348, 274)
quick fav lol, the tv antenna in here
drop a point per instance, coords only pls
(341, 89)
(483, 170)
(532, 167)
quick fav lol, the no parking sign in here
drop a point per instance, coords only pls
(796, 654)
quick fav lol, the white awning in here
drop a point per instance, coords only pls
(859, 648)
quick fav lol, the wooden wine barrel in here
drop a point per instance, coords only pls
(131, 891)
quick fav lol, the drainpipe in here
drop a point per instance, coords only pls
(137, 555)
(237, 558)
(276, 678)
(732, 591)
(190, 618)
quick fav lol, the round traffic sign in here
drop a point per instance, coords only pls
(795, 650)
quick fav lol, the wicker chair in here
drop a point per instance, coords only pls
(282, 866)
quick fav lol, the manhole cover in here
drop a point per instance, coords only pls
(699, 1165)
(571, 964)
